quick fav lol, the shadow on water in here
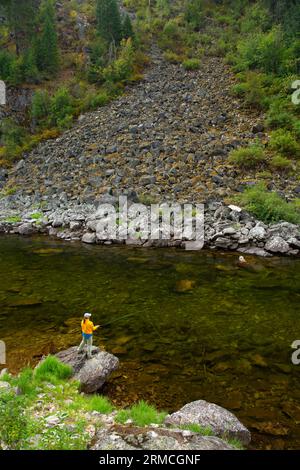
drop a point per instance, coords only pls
(185, 326)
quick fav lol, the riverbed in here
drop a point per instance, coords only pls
(185, 326)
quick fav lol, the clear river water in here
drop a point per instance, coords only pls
(185, 326)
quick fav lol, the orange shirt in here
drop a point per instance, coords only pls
(87, 327)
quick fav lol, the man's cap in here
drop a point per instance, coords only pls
(87, 315)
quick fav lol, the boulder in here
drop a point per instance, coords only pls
(277, 245)
(208, 415)
(91, 373)
(26, 229)
(89, 238)
(258, 232)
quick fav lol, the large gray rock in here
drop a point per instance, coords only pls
(126, 438)
(208, 415)
(89, 238)
(91, 373)
(26, 229)
(277, 245)
(258, 232)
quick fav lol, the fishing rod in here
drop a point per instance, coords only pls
(116, 320)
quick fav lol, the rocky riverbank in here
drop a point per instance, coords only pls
(60, 406)
(166, 140)
(226, 228)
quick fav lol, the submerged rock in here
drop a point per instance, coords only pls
(209, 415)
(91, 373)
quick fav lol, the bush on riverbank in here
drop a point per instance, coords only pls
(269, 206)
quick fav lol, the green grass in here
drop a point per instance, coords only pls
(52, 370)
(36, 216)
(204, 431)
(142, 414)
(269, 206)
(25, 382)
(236, 444)
(100, 404)
(14, 219)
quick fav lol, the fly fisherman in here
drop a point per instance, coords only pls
(88, 328)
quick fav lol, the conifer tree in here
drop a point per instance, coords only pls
(47, 43)
(21, 17)
(109, 20)
(127, 30)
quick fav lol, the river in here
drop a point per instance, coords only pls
(185, 326)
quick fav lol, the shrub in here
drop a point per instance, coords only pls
(11, 133)
(264, 51)
(6, 60)
(268, 206)
(14, 425)
(40, 107)
(280, 163)
(194, 13)
(285, 143)
(296, 128)
(172, 57)
(61, 107)
(252, 89)
(142, 414)
(278, 115)
(122, 68)
(171, 30)
(248, 157)
(94, 101)
(52, 370)
(191, 64)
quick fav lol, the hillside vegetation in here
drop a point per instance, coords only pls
(95, 48)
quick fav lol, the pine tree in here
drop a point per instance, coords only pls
(47, 43)
(29, 67)
(21, 16)
(127, 30)
(109, 20)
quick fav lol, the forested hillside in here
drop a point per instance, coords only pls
(61, 59)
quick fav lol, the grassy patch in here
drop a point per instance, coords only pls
(142, 414)
(13, 220)
(52, 370)
(100, 404)
(204, 431)
(36, 216)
